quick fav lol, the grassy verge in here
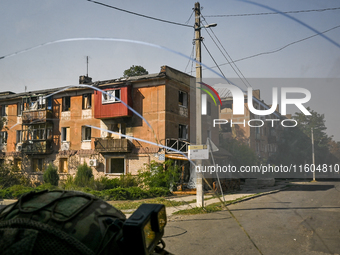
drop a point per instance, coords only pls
(127, 205)
(212, 207)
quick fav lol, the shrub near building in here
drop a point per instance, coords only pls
(51, 175)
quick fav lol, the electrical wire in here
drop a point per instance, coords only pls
(283, 47)
(212, 58)
(187, 22)
(270, 13)
(138, 14)
(191, 56)
(238, 72)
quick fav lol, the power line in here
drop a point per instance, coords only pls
(138, 14)
(270, 13)
(287, 45)
(212, 58)
(232, 66)
(187, 22)
(191, 57)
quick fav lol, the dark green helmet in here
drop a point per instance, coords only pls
(60, 222)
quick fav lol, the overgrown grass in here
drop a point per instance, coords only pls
(127, 205)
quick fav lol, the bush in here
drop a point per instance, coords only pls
(106, 183)
(84, 176)
(51, 175)
(15, 191)
(137, 193)
(159, 174)
(11, 175)
(127, 180)
(115, 194)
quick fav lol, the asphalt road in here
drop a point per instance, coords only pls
(304, 219)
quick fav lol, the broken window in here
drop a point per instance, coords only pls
(86, 134)
(87, 101)
(115, 166)
(117, 128)
(183, 132)
(4, 110)
(183, 98)
(3, 137)
(38, 132)
(19, 109)
(19, 136)
(111, 96)
(65, 134)
(38, 164)
(17, 163)
(63, 165)
(66, 104)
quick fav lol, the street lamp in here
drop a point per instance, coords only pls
(313, 154)
(207, 26)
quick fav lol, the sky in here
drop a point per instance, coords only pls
(29, 23)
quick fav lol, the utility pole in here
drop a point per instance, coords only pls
(199, 176)
(313, 154)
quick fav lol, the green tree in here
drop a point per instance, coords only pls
(83, 176)
(295, 146)
(135, 71)
(315, 121)
(242, 154)
(11, 175)
(51, 175)
(158, 174)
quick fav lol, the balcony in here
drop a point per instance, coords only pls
(36, 116)
(37, 147)
(110, 105)
(113, 145)
(176, 144)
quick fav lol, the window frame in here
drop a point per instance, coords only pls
(61, 166)
(89, 101)
(108, 162)
(107, 99)
(180, 132)
(84, 134)
(66, 104)
(19, 136)
(4, 110)
(183, 98)
(19, 109)
(39, 160)
(3, 137)
(64, 134)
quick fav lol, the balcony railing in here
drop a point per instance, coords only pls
(37, 147)
(176, 144)
(113, 145)
(36, 116)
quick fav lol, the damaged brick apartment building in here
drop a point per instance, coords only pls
(43, 127)
(263, 140)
